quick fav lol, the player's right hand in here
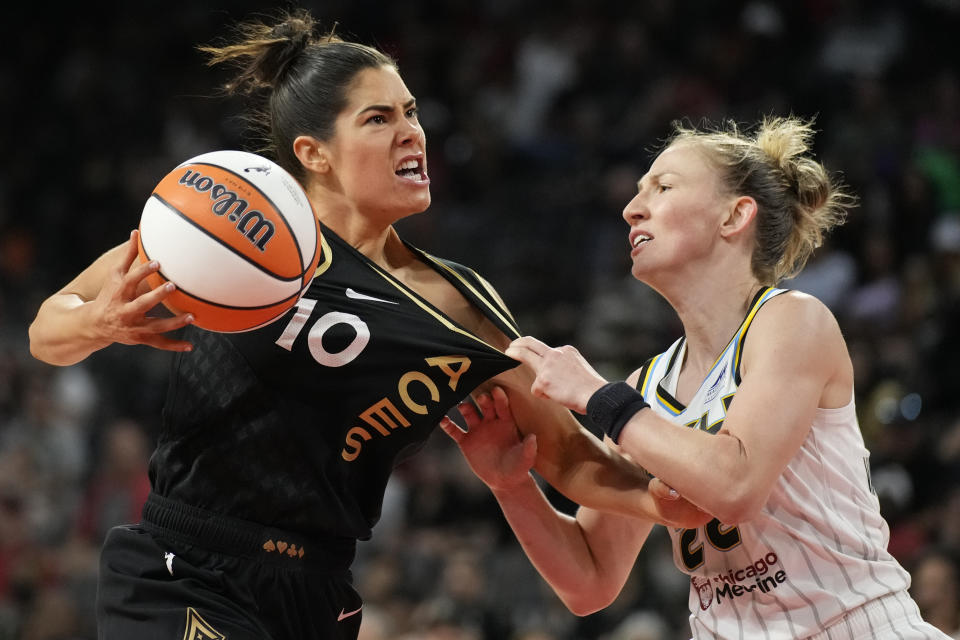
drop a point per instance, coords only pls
(119, 311)
(492, 445)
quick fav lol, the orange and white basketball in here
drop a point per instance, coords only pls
(236, 234)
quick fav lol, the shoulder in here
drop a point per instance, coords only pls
(795, 327)
(796, 309)
(796, 338)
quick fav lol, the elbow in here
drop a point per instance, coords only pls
(35, 342)
(38, 348)
(738, 505)
(741, 494)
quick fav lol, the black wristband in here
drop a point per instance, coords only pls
(611, 407)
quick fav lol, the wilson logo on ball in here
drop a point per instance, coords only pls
(251, 224)
(242, 246)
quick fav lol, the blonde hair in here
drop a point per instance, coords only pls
(798, 202)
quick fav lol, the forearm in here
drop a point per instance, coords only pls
(589, 474)
(62, 332)
(585, 575)
(675, 455)
(576, 463)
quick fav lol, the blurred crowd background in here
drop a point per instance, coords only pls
(540, 118)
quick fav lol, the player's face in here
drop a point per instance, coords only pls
(378, 152)
(675, 217)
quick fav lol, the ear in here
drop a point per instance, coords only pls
(311, 153)
(742, 212)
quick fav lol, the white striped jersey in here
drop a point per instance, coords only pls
(818, 548)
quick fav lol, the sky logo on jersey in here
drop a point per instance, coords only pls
(717, 386)
(736, 583)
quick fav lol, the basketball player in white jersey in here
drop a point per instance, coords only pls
(749, 415)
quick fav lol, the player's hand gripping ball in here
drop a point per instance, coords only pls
(236, 234)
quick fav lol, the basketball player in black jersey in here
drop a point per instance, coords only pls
(277, 443)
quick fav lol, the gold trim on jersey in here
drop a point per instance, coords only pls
(423, 305)
(510, 323)
(326, 255)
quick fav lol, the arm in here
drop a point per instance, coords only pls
(581, 467)
(794, 361)
(572, 460)
(585, 559)
(106, 303)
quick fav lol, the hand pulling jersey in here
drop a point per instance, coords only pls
(298, 424)
(817, 549)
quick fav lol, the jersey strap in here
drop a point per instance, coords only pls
(741, 338)
(477, 290)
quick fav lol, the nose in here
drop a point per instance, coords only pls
(409, 133)
(635, 210)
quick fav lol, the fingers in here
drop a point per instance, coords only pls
(528, 350)
(152, 298)
(133, 271)
(158, 341)
(486, 406)
(532, 344)
(501, 403)
(141, 270)
(452, 429)
(469, 413)
(165, 325)
(132, 250)
(661, 490)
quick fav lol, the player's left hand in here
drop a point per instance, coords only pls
(492, 445)
(562, 374)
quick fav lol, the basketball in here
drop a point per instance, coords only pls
(237, 236)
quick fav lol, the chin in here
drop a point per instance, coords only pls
(421, 205)
(413, 210)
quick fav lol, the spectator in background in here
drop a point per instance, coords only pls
(119, 487)
(936, 589)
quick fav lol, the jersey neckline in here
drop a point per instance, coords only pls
(438, 314)
(667, 385)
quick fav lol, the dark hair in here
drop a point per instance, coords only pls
(303, 77)
(797, 201)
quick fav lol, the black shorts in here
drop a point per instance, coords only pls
(195, 576)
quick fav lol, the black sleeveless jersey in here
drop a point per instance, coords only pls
(298, 425)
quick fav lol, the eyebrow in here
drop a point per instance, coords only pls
(653, 178)
(386, 107)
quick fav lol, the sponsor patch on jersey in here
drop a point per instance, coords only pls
(761, 576)
(704, 591)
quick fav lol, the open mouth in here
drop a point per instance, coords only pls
(640, 239)
(412, 169)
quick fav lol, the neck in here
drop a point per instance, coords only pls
(374, 238)
(711, 309)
